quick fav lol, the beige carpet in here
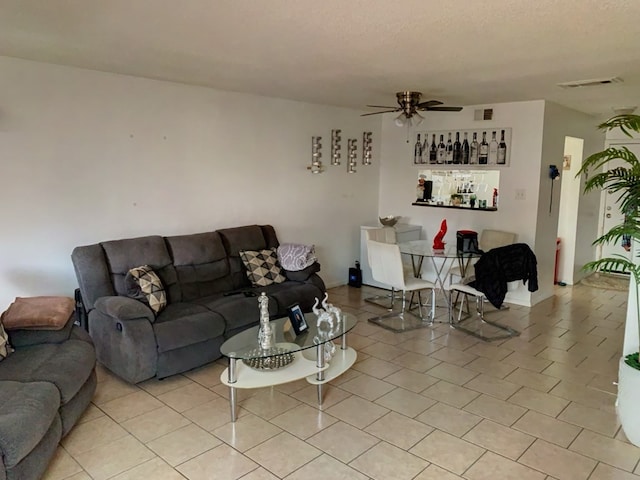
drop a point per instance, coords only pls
(606, 281)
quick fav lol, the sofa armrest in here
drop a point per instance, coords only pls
(124, 308)
(303, 275)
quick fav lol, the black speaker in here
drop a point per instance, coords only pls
(355, 276)
(428, 190)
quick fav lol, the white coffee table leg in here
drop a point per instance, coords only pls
(232, 390)
(320, 374)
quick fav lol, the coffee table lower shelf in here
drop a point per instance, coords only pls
(301, 367)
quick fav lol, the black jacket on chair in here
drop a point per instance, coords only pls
(505, 264)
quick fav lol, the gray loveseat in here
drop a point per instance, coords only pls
(207, 294)
(45, 386)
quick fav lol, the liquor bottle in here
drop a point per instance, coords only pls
(457, 149)
(433, 153)
(493, 149)
(473, 155)
(465, 150)
(441, 150)
(449, 152)
(502, 150)
(417, 152)
(483, 157)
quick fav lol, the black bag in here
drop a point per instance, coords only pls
(467, 241)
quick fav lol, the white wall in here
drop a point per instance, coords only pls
(398, 177)
(571, 191)
(90, 156)
(560, 122)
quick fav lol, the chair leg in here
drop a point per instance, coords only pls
(405, 319)
(386, 301)
(506, 331)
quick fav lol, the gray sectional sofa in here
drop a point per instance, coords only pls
(207, 293)
(45, 386)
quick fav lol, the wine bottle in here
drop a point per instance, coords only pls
(433, 153)
(473, 155)
(417, 152)
(425, 149)
(449, 152)
(483, 157)
(493, 149)
(441, 150)
(465, 150)
(457, 149)
(502, 150)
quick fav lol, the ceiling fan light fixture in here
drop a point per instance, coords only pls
(401, 120)
(417, 119)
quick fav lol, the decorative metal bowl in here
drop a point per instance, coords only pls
(278, 358)
(389, 221)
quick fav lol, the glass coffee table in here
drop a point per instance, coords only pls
(298, 356)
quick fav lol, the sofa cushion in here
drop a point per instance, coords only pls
(184, 324)
(27, 411)
(262, 267)
(201, 264)
(250, 237)
(123, 255)
(238, 311)
(289, 293)
(66, 365)
(143, 284)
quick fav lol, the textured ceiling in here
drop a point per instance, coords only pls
(346, 52)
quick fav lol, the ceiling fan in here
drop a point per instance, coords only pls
(409, 107)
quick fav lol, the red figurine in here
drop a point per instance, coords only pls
(438, 244)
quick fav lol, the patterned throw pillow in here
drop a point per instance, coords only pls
(5, 347)
(144, 284)
(262, 267)
(295, 257)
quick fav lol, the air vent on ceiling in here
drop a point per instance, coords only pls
(590, 83)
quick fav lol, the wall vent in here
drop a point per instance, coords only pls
(590, 83)
(486, 114)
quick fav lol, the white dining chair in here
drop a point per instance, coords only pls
(384, 235)
(465, 290)
(387, 268)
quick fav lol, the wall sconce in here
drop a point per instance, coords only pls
(316, 155)
(366, 148)
(335, 147)
(352, 147)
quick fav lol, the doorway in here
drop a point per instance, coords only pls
(611, 214)
(568, 211)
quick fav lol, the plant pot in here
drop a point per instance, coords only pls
(627, 403)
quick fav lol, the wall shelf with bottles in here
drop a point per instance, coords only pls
(458, 188)
(459, 207)
(474, 148)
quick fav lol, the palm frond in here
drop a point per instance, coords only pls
(624, 123)
(600, 159)
(614, 264)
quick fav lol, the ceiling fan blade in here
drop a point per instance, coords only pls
(382, 106)
(430, 103)
(377, 113)
(444, 109)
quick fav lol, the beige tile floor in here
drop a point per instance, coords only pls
(428, 404)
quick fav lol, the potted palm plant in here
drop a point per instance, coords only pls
(622, 181)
